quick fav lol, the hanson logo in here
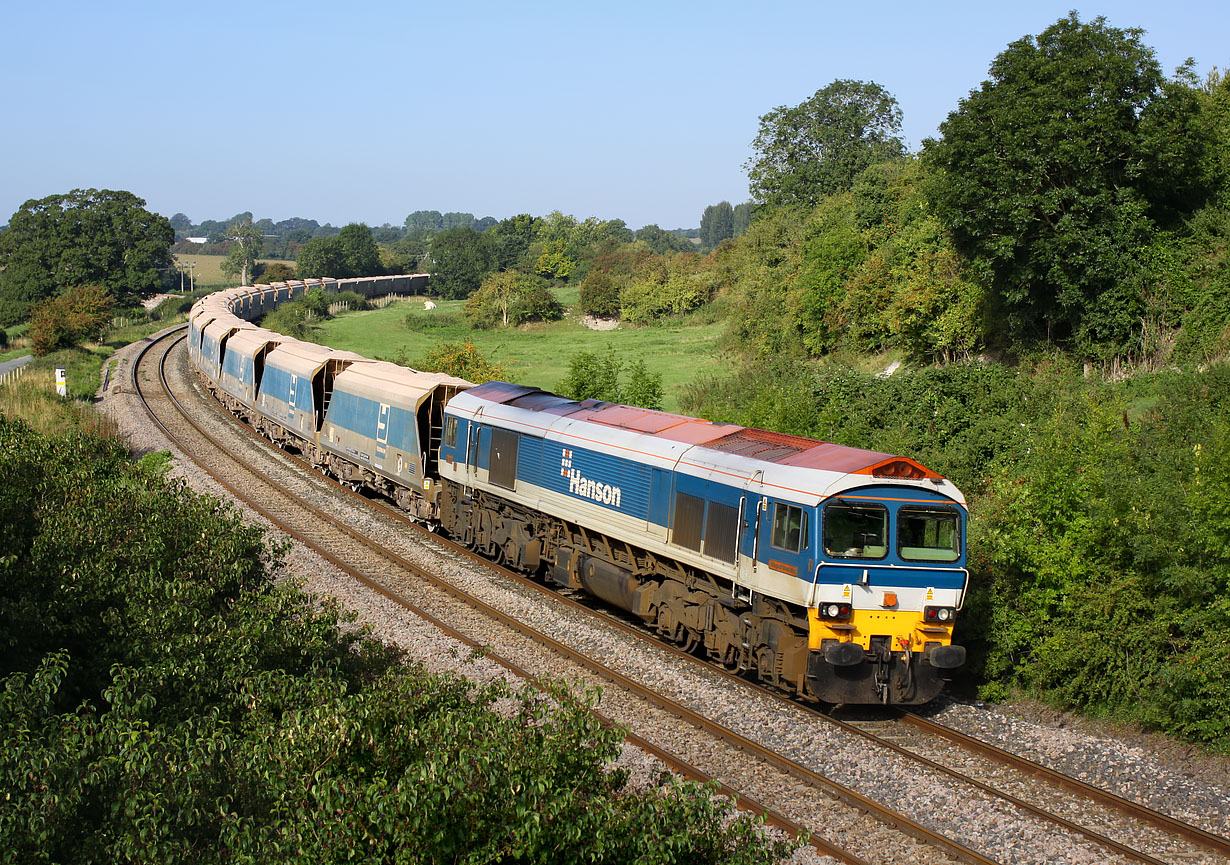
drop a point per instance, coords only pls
(588, 487)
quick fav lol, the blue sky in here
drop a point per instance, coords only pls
(367, 111)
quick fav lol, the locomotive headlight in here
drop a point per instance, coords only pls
(943, 615)
(834, 611)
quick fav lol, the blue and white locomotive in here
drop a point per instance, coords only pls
(830, 572)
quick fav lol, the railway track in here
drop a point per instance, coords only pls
(442, 604)
(1153, 839)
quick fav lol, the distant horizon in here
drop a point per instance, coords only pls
(477, 216)
(644, 112)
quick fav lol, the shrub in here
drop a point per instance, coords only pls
(422, 322)
(69, 318)
(599, 293)
(273, 271)
(162, 699)
(463, 360)
(665, 288)
(170, 307)
(594, 376)
(511, 298)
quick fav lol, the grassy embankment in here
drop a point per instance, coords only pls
(33, 398)
(536, 354)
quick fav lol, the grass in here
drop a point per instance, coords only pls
(33, 397)
(536, 354)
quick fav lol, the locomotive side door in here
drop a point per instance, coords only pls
(473, 441)
(751, 516)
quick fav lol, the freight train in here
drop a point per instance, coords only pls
(829, 572)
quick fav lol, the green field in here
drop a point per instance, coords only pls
(536, 354)
(208, 270)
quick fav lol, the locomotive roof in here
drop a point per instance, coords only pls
(715, 449)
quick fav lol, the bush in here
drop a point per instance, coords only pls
(594, 376)
(1105, 554)
(662, 288)
(163, 700)
(461, 359)
(511, 298)
(599, 293)
(273, 271)
(69, 318)
(357, 302)
(170, 307)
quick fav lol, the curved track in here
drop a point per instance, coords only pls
(1151, 837)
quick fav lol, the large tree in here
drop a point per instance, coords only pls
(1057, 170)
(359, 250)
(459, 260)
(246, 241)
(351, 252)
(662, 241)
(819, 146)
(85, 237)
(717, 224)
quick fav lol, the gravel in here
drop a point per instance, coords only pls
(1171, 778)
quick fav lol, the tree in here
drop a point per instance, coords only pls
(554, 262)
(246, 241)
(84, 237)
(459, 260)
(717, 224)
(741, 218)
(662, 241)
(349, 253)
(359, 253)
(511, 298)
(1057, 170)
(819, 146)
(320, 256)
(181, 223)
(511, 240)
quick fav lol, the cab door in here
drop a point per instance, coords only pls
(751, 509)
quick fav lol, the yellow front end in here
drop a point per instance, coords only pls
(906, 628)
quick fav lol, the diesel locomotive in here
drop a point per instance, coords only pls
(830, 572)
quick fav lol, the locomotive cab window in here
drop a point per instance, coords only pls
(855, 531)
(929, 534)
(789, 528)
(450, 432)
